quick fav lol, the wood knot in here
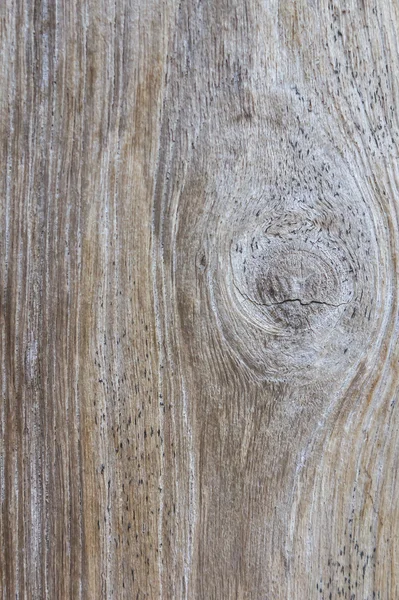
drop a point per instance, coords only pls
(293, 268)
(293, 296)
(297, 288)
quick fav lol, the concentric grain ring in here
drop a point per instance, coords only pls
(293, 284)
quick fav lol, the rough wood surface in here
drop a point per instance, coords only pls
(199, 300)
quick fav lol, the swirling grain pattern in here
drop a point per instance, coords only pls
(199, 300)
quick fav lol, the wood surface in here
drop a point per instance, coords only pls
(199, 300)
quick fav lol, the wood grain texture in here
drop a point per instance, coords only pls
(199, 300)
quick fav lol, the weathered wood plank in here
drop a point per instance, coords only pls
(199, 310)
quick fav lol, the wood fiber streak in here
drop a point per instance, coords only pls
(199, 300)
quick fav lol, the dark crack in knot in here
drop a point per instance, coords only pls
(289, 300)
(304, 303)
